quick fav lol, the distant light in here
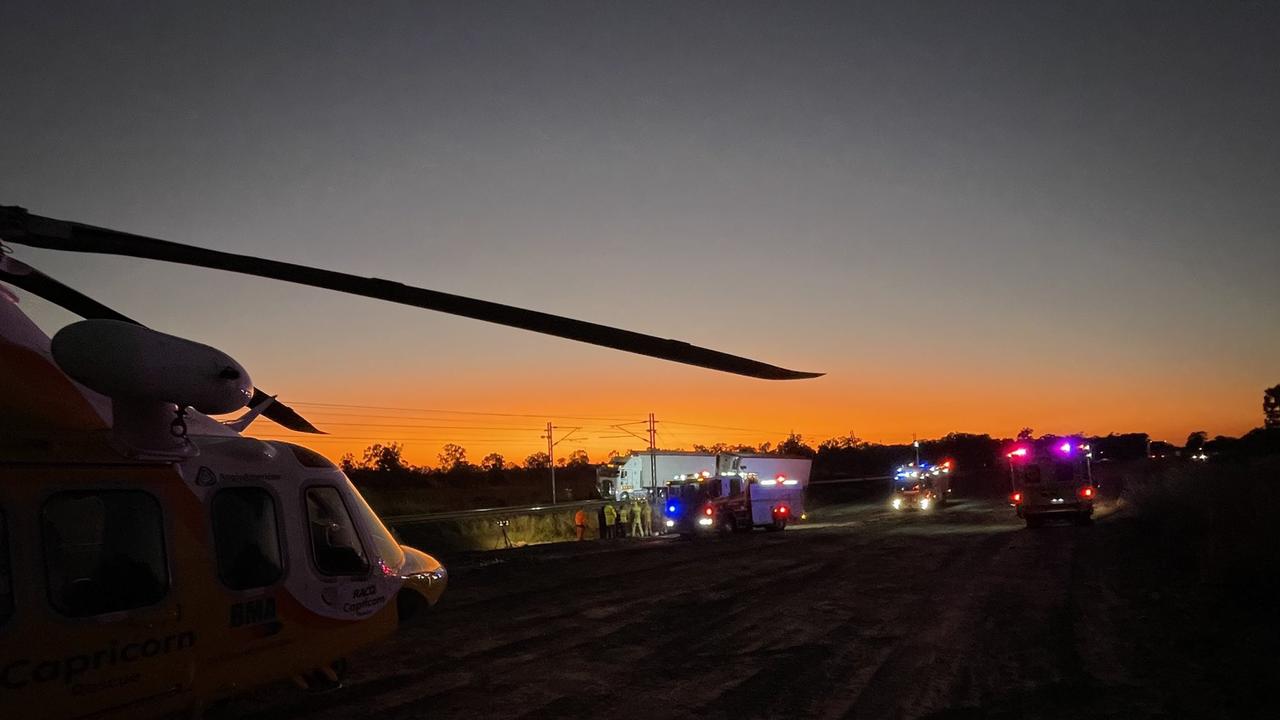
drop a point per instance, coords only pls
(924, 503)
(769, 483)
(1065, 448)
(897, 503)
(707, 510)
(1019, 452)
(671, 508)
(1016, 498)
(704, 521)
(671, 523)
(790, 482)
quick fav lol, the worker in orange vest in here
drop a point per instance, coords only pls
(580, 522)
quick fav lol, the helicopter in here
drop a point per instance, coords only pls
(155, 560)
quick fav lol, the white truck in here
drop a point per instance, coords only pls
(645, 473)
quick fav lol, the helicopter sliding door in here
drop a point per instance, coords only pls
(97, 623)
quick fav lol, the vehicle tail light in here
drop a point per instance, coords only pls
(781, 510)
(1086, 492)
(707, 510)
(1016, 498)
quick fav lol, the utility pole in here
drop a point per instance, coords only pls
(916, 444)
(653, 456)
(551, 460)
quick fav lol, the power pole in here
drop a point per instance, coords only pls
(916, 444)
(653, 456)
(551, 460)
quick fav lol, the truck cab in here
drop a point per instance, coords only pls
(1052, 480)
(687, 509)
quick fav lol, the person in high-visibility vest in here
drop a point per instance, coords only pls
(646, 509)
(637, 518)
(580, 522)
(624, 518)
(610, 520)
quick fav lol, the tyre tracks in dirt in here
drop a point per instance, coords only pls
(874, 615)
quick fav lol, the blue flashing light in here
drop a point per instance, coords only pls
(671, 509)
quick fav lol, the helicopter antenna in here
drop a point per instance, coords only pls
(19, 226)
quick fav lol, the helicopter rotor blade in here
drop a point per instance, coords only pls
(21, 275)
(18, 226)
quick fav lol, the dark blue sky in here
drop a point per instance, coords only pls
(1058, 214)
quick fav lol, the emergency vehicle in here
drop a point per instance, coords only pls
(921, 487)
(747, 501)
(688, 510)
(1052, 480)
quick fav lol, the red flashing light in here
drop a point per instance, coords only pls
(1019, 452)
(707, 510)
(782, 510)
(1086, 491)
(1016, 498)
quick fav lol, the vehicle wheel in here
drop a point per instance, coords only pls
(1035, 521)
(779, 524)
(1084, 519)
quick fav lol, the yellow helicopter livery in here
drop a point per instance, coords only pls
(154, 560)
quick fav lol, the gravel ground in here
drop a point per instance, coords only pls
(859, 613)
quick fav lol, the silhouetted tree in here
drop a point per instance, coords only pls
(844, 442)
(1196, 440)
(1271, 407)
(579, 458)
(384, 458)
(1025, 434)
(795, 445)
(537, 461)
(493, 462)
(452, 457)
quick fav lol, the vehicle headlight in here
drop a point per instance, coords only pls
(704, 521)
(924, 503)
(671, 523)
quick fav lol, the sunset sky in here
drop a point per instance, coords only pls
(972, 216)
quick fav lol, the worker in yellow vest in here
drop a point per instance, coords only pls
(624, 518)
(646, 509)
(637, 518)
(610, 521)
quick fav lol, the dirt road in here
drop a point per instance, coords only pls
(862, 613)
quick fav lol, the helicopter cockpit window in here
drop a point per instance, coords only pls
(6, 573)
(104, 551)
(247, 538)
(335, 545)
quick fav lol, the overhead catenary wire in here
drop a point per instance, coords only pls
(554, 416)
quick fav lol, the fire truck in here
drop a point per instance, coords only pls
(733, 502)
(1052, 480)
(921, 487)
(688, 510)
